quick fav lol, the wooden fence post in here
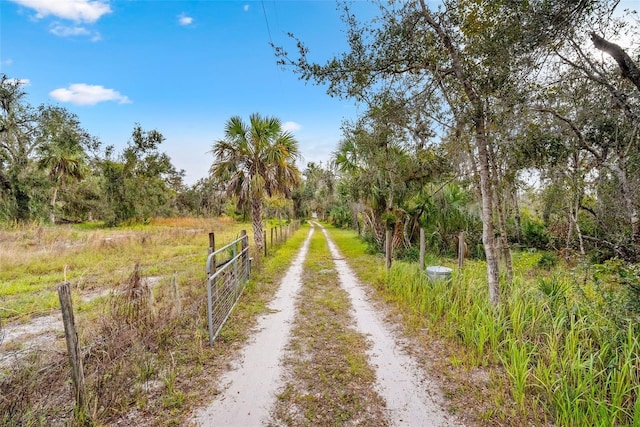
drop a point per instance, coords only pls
(264, 242)
(244, 244)
(462, 249)
(387, 244)
(75, 357)
(177, 305)
(212, 249)
(422, 249)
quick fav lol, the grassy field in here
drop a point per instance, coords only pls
(35, 260)
(146, 361)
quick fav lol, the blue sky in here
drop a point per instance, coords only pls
(181, 67)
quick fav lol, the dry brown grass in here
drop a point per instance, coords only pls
(128, 350)
(35, 259)
(146, 355)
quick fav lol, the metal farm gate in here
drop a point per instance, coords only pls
(226, 280)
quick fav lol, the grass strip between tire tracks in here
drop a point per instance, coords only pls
(330, 381)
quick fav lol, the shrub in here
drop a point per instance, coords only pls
(534, 233)
(340, 217)
(372, 246)
(411, 254)
(548, 260)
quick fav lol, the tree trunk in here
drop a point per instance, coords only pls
(503, 242)
(505, 249)
(488, 239)
(628, 68)
(479, 117)
(632, 212)
(52, 214)
(256, 217)
(516, 213)
(576, 209)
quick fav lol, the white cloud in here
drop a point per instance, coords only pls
(8, 62)
(20, 82)
(62, 30)
(65, 31)
(291, 126)
(84, 94)
(74, 10)
(246, 7)
(184, 19)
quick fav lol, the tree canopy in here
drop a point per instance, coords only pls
(255, 160)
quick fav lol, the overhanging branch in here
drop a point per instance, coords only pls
(628, 68)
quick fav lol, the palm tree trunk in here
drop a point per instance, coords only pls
(54, 197)
(256, 217)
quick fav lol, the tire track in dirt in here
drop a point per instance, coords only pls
(323, 356)
(328, 380)
(411, 398)
(250, 387)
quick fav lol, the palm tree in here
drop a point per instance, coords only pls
(63, 165)
(255, 160)
(60, 150)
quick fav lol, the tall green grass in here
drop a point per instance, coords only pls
(554, 337)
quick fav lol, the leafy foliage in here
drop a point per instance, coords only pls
(139, 183)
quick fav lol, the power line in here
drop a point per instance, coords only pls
(273, 47)
(264, 11)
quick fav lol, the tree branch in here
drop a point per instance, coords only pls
(574, 128)
(628, 68)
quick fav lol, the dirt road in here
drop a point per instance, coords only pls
(283, 368)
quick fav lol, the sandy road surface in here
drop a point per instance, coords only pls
(412, 399)
(250, 388)
(251, 385)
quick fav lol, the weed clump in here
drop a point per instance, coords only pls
(123, 352)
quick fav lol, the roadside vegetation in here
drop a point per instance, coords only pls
(562, 349)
